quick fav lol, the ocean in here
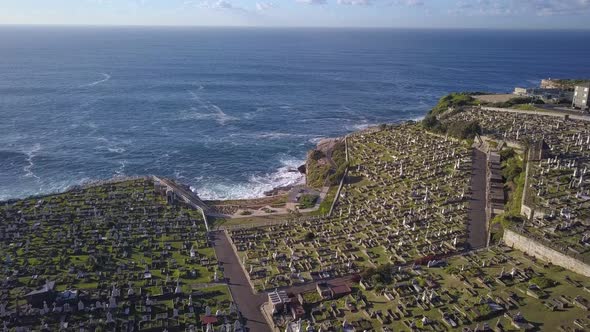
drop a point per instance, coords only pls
(230, 111)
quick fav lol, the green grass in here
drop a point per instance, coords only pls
(453, 100)
(307, 201)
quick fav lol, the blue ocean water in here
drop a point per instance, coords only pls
(229, 111)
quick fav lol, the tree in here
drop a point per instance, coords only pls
(464, 129)
(431, 122)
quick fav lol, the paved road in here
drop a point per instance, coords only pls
(248, 302)
(477, 204)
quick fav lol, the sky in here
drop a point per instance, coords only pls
(494, 14)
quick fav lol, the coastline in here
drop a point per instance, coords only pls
(276, 191)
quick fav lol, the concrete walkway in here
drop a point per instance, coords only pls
(477, 203)
(248, 303)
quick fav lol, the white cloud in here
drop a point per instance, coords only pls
(409, 3)
(212, 4)
(313, 2)
(263, 6)
(355, 2)
(521, 7)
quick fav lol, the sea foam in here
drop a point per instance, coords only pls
(256, 186)
(28, 169)
(105, 78)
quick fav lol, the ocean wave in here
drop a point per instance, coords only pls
(31, 153)
(278, 135)
(219, 116)
(111, 145)
(116, 150)
(213, 112)
(105, 78)
(258, 111)
(256, 186)
(360, 126)
(316, 140)
(120, 171)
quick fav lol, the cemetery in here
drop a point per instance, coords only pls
(489, 290)
(556, 200)
(403, 210)
(405, 200)
(118, 256)
(388, 248)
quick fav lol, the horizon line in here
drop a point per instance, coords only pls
(303, 27)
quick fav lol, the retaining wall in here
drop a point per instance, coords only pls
(540, 251)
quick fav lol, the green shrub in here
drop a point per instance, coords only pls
(307, 201)
(463, 129)
(512, 168)
(335, 178)
(317, 173)
(380, 275)
(452, 270)
(431, 122)
(506, 154)
(542, 282)
(317, 155)
(339, 154)
(453, 100)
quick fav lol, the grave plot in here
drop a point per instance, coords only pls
(405, 200)
(557, 190)
(500, 289)
(113, 256)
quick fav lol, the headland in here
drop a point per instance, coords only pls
(474, 218)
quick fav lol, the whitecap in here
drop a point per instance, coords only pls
(360, 126)
(274, 135)
(31, 153)
(105, 78)
(213, 112)
(256, 186)
(217, 115)
(252, 115)
(316, 140)
(120, 171)
(116, 150)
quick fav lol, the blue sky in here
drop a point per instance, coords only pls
(531, 14)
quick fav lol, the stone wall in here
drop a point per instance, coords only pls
(540, 251)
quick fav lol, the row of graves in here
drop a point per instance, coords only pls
(557, 192)
(405, 200)
(115, 256)
(496, 290)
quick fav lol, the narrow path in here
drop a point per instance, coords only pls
(477, 202)
(248, 302)
(188, 196)
(556, 113)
